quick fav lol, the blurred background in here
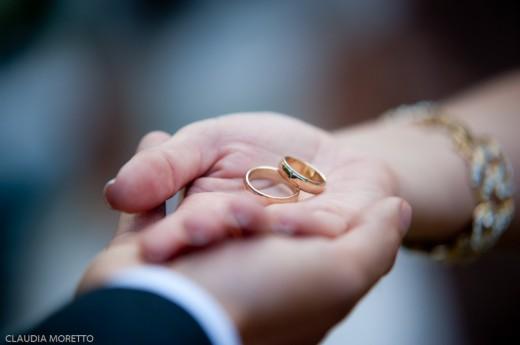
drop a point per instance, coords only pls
(82, 81)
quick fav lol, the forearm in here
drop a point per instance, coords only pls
(493, 110)
(431, 175)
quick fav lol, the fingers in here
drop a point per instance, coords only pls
(310, 217)
(203, 218)
(155, 174)
(129, 223)
(372, 244)
(332, 212)
(152, 139)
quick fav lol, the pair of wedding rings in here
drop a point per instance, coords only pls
(296, 174)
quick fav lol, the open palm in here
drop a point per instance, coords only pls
(210, 158)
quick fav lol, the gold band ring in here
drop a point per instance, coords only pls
(302, 174)
(272, 174)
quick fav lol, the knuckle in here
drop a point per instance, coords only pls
(153, 137)
(159, 162)
(252, 117)
(198, 128)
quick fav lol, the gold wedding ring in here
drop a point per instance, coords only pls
(272, 174)
(302, 174)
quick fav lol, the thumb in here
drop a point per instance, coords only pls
(155, 174)
(373, 243)
(130, 223)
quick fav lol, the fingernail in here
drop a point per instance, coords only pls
(106, 189)
(405, 216)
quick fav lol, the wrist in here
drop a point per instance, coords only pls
(431, 175)
(107, 264)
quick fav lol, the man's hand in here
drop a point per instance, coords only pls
(277, 289)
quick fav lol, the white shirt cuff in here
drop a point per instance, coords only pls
(180, 290)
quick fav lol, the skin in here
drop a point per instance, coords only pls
(363, 164)
(359, 219)
(210, 158)
(431, 176)
(280, 283)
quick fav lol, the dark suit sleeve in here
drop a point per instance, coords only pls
(124, 316)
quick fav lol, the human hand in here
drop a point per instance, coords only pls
(210, 158)
(276, 289)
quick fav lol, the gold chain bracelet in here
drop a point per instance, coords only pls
(490, 179)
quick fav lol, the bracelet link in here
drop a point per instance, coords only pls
(490, 176)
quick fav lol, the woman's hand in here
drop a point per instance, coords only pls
(210, 158)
